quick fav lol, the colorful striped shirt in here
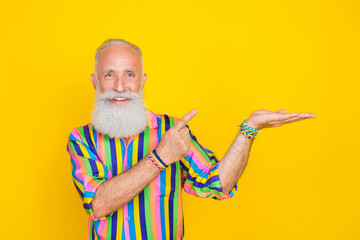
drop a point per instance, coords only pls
(156, 212)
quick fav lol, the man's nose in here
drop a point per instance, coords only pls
(119, 84)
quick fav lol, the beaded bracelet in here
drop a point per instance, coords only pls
(248, 131)
(155, 158)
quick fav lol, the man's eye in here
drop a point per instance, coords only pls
(131, 75)
(108, 75)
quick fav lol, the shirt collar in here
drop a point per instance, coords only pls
(152, 119)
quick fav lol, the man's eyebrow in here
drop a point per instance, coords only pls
(112, 70)
(107, 71)
(130, 69)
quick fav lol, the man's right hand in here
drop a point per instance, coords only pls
(114, 193)
(175, 142)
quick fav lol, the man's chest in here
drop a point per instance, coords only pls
(120, 157)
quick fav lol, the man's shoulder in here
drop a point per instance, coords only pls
(82, 133)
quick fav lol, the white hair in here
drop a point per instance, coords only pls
(114, 41)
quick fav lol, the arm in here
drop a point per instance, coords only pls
(233, 163)
(100, 192)
(235, 159)
(200, 172)
(119, 190)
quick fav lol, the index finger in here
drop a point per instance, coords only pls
(185, 119)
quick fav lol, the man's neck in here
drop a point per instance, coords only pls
(126, 140)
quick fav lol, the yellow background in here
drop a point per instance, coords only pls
(224, 58)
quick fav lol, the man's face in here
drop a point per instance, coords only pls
(119, 69)
(119, 105)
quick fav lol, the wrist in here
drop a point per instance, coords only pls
(252, 124)
(240, 136)
(151, 161)
(161, 155)
(248, 130)
(161, 160)
(156, 159)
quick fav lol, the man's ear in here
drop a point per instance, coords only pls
(93, 80)
(143, 80)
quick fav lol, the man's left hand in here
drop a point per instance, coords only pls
(267, 119)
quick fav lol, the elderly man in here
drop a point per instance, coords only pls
(130, 164)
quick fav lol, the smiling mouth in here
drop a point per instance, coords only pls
(120, 100)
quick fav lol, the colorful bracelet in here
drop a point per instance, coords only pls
(159, 159)
(155, 158)
(248, 131)
(155, 162)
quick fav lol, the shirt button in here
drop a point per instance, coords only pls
(128, 218)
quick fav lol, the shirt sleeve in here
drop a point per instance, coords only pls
(88, 172)
(199, 172)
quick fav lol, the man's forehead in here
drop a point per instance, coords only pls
(118, 56)
(119, 50)
(127, 69)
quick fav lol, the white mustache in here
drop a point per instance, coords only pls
(113, 94)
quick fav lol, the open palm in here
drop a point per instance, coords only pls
(267, 119)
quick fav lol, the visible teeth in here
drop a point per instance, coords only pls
(119, 99)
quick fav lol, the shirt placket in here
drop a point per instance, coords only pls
(127, 163)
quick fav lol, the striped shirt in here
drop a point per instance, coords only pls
(155, 213)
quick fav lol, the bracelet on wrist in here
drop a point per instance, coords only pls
(248, 131)
(155, 158)
(159, 159)
(157, 164)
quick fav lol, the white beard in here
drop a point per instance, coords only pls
(117, 121)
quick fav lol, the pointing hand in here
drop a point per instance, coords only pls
(175, 142)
